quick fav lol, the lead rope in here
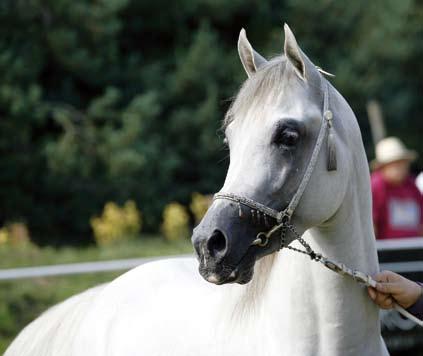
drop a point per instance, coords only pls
(339, 268)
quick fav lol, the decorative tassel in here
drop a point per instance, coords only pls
(332, 164)
(240, 214)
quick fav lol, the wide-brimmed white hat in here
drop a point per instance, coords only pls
(389, 150)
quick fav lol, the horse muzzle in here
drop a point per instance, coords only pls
(222, 242)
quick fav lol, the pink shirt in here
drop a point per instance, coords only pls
(397, 209)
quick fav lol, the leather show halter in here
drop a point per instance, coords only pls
(283, 218)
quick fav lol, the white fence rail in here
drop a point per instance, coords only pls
(126, 264)
(412, 246)
(411, 243)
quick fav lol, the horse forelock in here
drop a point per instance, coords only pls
(265, 88)
(265, 85)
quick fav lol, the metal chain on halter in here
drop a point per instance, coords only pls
(309, 251)
(282, 239)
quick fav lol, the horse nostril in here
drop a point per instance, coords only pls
(216, 244)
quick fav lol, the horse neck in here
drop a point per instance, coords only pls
(348, 236)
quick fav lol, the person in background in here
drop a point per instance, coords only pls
(397, 203)
(392, 287)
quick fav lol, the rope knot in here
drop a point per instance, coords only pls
(284, 216)
(315, 256)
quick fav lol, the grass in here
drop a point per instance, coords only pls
(23, 300)
(145, 246)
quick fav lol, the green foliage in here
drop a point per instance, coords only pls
(16, 235)
(121, 99)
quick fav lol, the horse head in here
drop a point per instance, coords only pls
(272, 129)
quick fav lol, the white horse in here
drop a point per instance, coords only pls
(291, 304)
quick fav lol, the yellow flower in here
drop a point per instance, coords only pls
(199, 205)
(175, 224)
(4, 236)
(116, 223)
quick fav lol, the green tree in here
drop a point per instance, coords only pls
(122, 99)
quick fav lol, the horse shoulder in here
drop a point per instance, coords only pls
(143, 307)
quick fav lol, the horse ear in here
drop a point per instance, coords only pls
(293, 52)
(250, 59)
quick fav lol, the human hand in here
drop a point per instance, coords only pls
(392, 287)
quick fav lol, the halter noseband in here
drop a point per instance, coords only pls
(283, 217)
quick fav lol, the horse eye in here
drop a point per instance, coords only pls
(287, 138)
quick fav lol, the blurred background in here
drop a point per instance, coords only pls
(110, 115)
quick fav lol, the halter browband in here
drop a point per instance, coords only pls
(284, 216)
